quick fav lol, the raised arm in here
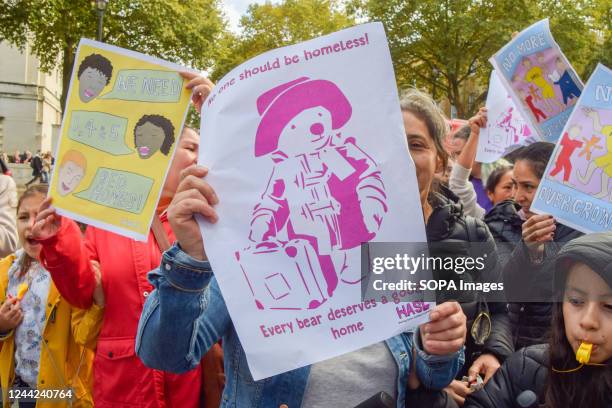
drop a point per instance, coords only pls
(459, 177)
(65, 255)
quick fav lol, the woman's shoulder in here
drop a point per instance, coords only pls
(537, 355)
(505, 210)
(527, 368)
(504, 222)
(5, 266)
(448, 222)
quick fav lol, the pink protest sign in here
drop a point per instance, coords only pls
(309, 161)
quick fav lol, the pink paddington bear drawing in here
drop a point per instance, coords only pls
(324, 197)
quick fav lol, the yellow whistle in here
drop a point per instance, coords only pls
(21, 290)
(583, 355)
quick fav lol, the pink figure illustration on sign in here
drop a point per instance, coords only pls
(513, 127)
(325, 196)
(505, 123)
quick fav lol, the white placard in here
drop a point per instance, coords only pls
(307, 153)
(506, 129)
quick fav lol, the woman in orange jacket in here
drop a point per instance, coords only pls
(46, 343)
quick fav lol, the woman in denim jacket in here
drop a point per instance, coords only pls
(186, 314)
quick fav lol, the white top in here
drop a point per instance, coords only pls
(459, 183)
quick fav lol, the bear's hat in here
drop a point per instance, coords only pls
(281, 104)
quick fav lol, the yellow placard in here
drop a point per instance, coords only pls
(124, 115)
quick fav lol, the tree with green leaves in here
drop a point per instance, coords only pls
(268, 26)
(445, 45)
(185, 32)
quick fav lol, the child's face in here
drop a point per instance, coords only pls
(148, 139)
(587, 312)
(526, 63)
(26, 214)
(69, 177)
(91, 84)
(307, 132)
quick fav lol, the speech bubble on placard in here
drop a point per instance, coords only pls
(99, 130)
(146, 85)
(122, 190)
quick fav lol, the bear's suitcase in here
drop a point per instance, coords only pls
(286, 276)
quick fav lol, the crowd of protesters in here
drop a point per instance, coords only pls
(41, 164)
(143, 324)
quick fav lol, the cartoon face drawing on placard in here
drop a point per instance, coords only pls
(71, 172)
(153, 133)
(94, 74)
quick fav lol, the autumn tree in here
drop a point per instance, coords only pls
(268, 26)
(177, 30)
(444, 45)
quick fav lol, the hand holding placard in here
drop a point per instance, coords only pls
(445, 333)
(193, 196)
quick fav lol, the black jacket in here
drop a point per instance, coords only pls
(526, 369)
(447, 229)
(506, 227)
(529, 289)
(36, 165)
(451, 230)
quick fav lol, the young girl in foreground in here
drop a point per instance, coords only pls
(575, 368)
(46, 344)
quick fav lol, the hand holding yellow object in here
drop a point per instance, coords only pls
(21, 290)
(583, 355)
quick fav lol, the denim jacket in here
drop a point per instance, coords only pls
(186, 314)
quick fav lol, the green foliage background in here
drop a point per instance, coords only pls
(440, 45)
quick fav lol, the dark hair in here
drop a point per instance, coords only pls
(98, 62)
(495, 177)
(537, 154)
(163, 123)
(463, 133)
(587, 387)
(26, 260)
